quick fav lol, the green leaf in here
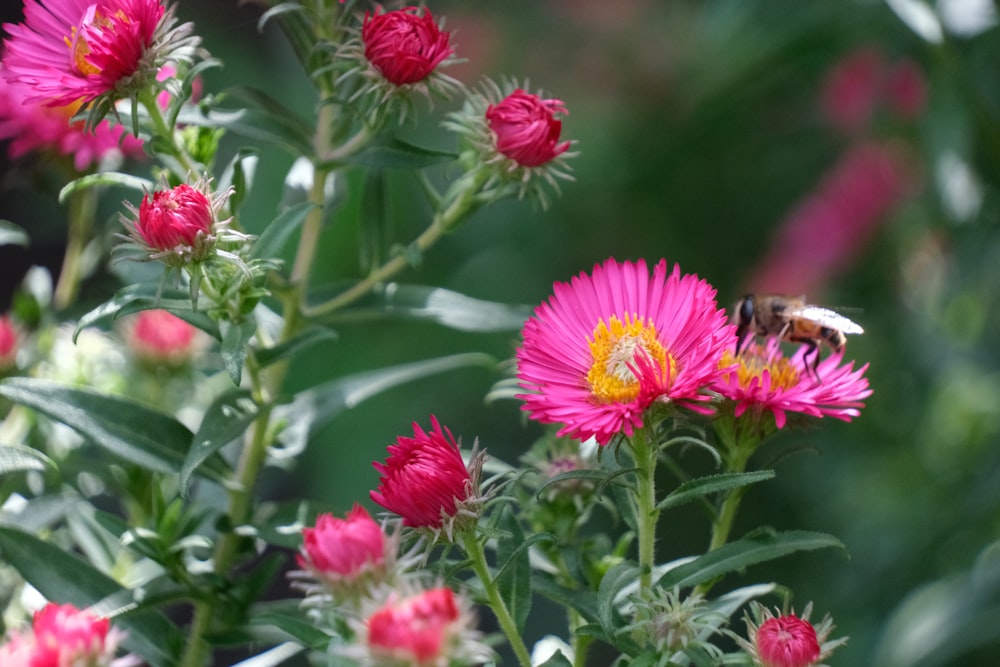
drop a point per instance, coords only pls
(17, 458)
(258, 116)
(62, 577)
(127, 181)
(514, 577)
(287, 616)
(127, 429)
(276, 235)
(11, 234)
(235, 340)
(314, 408)
(146, 296)
(395, 153)
(613, 581)
(239, 173)
(308, 337)
(375, 229)
(226, 419)
(445, 307)
(703, 486)
(584, 602)
(755, 548)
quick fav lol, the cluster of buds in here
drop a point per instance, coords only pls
(62, 636)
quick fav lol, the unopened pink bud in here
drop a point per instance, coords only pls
(526, 129)
(343, 549)
(405, 45)
(176, 217)
(161, 337)
(787, 641)
(415, 630)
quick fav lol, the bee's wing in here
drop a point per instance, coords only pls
(827, 318)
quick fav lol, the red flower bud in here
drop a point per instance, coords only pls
(526, 129)
(343, 549)
(405, 45)
(174, 218)
(415, 630)
(8, 343)
(65, 635)
(787, 641)
(424, 480)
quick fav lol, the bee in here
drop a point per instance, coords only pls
(791, 319)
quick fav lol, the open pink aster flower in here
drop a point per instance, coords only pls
(33, 127)
(426, 482)
(608, 345)
(76, 51)
(761, 379)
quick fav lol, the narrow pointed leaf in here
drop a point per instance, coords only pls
(287, 616)
(235, 339)
(756, 548)
(514, 577)
(127, 429)
(16, 458)
(226, 419)
(11, 234)
(127, 181)
(703, 486)
(62, 577)
(146, 296)
(275, 236)
(398, 154)
(306, 338)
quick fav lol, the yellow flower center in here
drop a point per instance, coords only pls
(752, 364)
(614, 348)
(78, 47)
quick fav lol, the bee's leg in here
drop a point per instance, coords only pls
(814, 351)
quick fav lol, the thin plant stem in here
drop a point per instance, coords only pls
(82, 208)
(474, 549)
(162, 129)
(647, 516)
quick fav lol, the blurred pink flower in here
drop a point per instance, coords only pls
(417, 630)
(824, 234)
(761, 379)
(162, 338)
(850, 91)
(787, 641)
(74, 51)
(405, 45)
(906, 89)
(425, 480)
(33, 126)
(608, 345)
(8, 343)
(526, 128)
(342, 550)
(65, 635)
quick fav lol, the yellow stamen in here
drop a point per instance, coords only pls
(752, 363)
(78, 47)
(614, 348)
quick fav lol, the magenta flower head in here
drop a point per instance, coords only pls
(426, 482)
(76, 51)
(179, 225)
(609, 345)
(344, 551)
(514, 139)
(160, 338)
(9, 341)
(787, 640)
(425, 629)
(405, 45)
(761, 380)
(526, 129)
(64, 635)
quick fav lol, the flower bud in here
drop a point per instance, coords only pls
(8, 344)
(176, 217)
(526, 129)
(418, 630)
(343, 550)
(405, 45)
(425, 480)
(161, 338)
(65, 635)
(787, 641)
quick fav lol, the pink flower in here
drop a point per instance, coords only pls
(64, 635)
(906, 89)
(787, 641)
(343, 549)
(526, 129)
(74, 51)
(405, 45)
(762, 380)
(33, 126)
(424, 480)
(826, 231)
(609, 345)
(416, 630)
(8, 343)
(851, 90)
(17, 651)
(161, 337)
(175, 217)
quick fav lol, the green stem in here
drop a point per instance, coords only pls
(474, 549)
(82, 208)
(647, 516)
(162, 129)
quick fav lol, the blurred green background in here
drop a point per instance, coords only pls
(701, 129)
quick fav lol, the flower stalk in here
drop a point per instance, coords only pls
(82, 208)
(647, 516)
